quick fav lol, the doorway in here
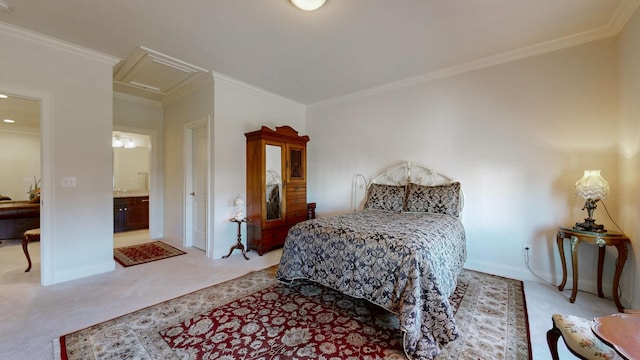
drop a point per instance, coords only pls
(20, 186)
(131, 185)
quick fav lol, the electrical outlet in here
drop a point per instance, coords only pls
(526, 249)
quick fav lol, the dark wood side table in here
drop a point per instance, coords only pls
(238, 245)
(602, 240)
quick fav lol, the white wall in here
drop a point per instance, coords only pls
(76, 85)
(194, 105)
(516, 135)
(20, 159)
(240, 109)
(234, 109)
(630, 151)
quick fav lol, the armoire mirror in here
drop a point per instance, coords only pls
(274, 182)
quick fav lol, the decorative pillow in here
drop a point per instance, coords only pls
(438, 199)
(385, 197)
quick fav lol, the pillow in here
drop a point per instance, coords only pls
(438, 199)
(385, 197)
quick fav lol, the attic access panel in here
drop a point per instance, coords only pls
(155, 72)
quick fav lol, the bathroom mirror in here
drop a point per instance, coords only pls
(131, 158)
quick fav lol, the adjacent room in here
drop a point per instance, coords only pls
(319, 179)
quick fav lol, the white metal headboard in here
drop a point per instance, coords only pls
(399, 174)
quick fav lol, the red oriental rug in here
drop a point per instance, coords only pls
(256, 317)
(144, 253)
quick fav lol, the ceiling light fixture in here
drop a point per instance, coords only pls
(308, 5)
(3, 96)
(9, 121)
(116, 142)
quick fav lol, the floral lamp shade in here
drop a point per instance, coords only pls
(593, 188)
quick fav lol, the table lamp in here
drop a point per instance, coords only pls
(593, 188)
(238, 203)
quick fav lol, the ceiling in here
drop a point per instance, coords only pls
(346, 47)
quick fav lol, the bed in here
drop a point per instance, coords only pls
(403, 251)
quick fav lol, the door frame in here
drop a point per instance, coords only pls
(156, 200)
(47, 221)
(188, 180)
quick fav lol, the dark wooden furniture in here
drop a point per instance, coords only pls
(276, 185)
(29, 235)
(16, 217)
(238, 244)
(311, 211)
(130, 213)
(603, 239)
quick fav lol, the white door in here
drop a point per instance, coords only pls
(199, 187)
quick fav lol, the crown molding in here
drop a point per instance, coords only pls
(58, 44)
(136, 99)
(218, 77)
(620, 17)
(197, 83)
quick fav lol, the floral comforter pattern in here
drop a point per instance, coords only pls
(407, 263)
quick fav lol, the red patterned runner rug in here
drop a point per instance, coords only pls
(144, 253)
(256, 317)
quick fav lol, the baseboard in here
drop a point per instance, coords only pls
(73, 274)
(501, 270)
(587, 285)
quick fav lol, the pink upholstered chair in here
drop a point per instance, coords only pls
(579, 338)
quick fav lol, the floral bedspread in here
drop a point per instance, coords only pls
(407, 263)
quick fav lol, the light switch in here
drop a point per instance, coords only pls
(68, 182)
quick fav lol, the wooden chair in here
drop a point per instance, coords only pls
(29, 235)
(580, 340)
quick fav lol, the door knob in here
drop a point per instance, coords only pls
(192, 194)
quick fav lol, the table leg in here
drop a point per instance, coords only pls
(241, 247)
(623, 252)
(559, 240)
(601, 251)
(238, 245)
(25, 243)
(574, 265)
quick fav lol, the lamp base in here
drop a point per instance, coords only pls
(589, 224)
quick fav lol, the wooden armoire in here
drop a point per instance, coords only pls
(276, 185)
